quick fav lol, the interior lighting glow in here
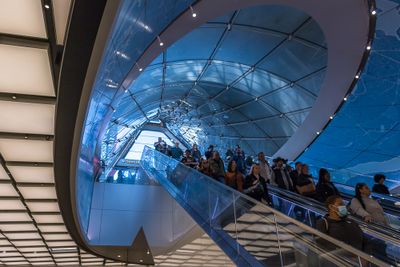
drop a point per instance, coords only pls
(159, 41)
(345, 99)
(373, 12)
(357, 76)
(368, 47)
(193, 13)
(318, 133)
(47, 6)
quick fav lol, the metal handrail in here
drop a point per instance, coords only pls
(340, 244)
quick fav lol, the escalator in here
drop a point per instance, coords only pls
(249, 232)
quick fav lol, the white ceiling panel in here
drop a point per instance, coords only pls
(40, 259)
(61, 243)
(17, 227)
(12, 236)
(11, 254)
(52, 228)
(14, 217)
(4, 242)
(57, 255)
(42, 263)
(20, 117)
(25, 70)
(27, 174)
(7, 190)
(50, 237)
(33, 249)
(48, 218)
(3, 174)
(12, 12)
(61, 11)
(43, 206)
(26, 150)
(8, 204)
(28, 243)
(42, 192)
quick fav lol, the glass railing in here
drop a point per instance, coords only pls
(250, 232)
(307, 211)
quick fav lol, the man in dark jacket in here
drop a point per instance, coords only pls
(337, 225)
(217, 167)
(280, 175)
(379, 186)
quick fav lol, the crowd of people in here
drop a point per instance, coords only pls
(253, 177)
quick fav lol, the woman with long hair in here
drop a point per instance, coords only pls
(325, 188)
(366, 207)
(233, 177)
(255, 185)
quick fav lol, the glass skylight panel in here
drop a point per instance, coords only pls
(43, 192)
(26, 150)
(23, 174)
(30, 63)
(145, 138)
(61, 12)
(26, 117)
(32, 23)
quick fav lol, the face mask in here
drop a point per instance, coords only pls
(342, 211)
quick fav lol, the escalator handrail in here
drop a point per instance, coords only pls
(340, 244)
(386, 233)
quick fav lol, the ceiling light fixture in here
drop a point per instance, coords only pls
(345, 99)
(357, 76)
(14, 97)
(331, 117)
(373, 12)
(318, 133)
(140, 69)
(368, 47)
(194, 14)
(159, 41)
(46, 6)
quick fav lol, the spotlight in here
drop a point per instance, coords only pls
(331, 117)
(357, 76)
(159, 41)
(318, 133)
(345, 99)
(46, 6)
(194, 14)
(373, 12)
(368, 47)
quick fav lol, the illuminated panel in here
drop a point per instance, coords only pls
(26, 150)
(25, 70)
(61, 10)
(32, 174)
(26, 117)
(12, 12)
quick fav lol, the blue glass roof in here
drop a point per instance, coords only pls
(249, 78)
(364, 137)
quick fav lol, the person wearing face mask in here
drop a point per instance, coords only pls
(337, 225)
(366, 207)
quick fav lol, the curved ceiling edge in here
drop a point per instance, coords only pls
(80, 42)
(346, 30)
